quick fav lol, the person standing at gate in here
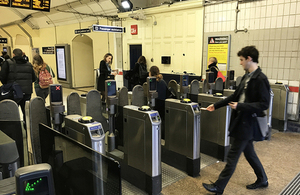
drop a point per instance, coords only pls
(212, 66)
(249, 101)
(140, 72)
(21, 71)
(105, 73)
(39, 67)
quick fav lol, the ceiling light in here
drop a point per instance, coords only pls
(126, 4)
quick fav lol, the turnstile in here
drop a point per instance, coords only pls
(142, 148)
(182, 135)
(280, 103)
(84, 130)
(214, 128)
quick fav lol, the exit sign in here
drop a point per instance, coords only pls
(134, 29)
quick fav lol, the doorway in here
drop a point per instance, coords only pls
(135, 51)
(83, 61)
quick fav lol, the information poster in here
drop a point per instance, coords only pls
(61, 63)
(48, 50)
(219, 47)
(35, 51)
(5, 3)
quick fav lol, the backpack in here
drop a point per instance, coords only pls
(143, 73)
(45, 79)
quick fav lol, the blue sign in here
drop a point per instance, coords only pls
(112, 29)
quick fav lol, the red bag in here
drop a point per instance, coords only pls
(45, 79)
(221, 75)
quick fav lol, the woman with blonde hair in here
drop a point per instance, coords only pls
(38, 66)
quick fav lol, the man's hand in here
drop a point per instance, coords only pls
(210, 108)
(233, 105)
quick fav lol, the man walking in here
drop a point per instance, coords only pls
(19, 70)
(250, 99)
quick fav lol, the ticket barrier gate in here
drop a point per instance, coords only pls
(281, 93)
(214, 141)
(141, 164)
(86, 131)
(181, 148)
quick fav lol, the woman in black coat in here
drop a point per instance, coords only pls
(105, 73)
(137, 78)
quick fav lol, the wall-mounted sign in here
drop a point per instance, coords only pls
(85, 30)
(104, 28)
(219, 47)
(41, 5)
(48, 50)
(3, 40)
(134, 29)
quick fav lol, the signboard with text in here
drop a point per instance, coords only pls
(111, 29)
(48, 50)
(219, 47)
(85, 30)
(3, 40)
(134, 29)
(41, 5)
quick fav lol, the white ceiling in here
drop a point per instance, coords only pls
(62, 12)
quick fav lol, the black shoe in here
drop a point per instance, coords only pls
(212, 188)
(257, 185)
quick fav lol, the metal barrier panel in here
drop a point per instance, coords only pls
(11, 125)
(228, 92)
(37, 115)
(205, 86)
(123, 97)
(280, 105)
(194, 87)
(219, 85)
(214, 128)
(138, 96)
(93, 108)
(173, 84)
(238, 81)
(9, 111)
(73, 104)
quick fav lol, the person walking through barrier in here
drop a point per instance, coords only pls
(248, 102)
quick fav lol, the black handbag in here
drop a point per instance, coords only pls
(11, 91)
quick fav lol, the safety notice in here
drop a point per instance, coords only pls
(219, 47)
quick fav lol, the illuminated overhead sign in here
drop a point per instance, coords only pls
(104, 28)
(41, 5)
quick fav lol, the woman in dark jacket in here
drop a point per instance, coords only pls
(139, 79)
(105, 73)
(161, 84)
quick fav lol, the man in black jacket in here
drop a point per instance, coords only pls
(249, 100)
(19, 70)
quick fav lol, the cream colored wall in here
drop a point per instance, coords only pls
(83, 61)
(178, 34)
(48, 37)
